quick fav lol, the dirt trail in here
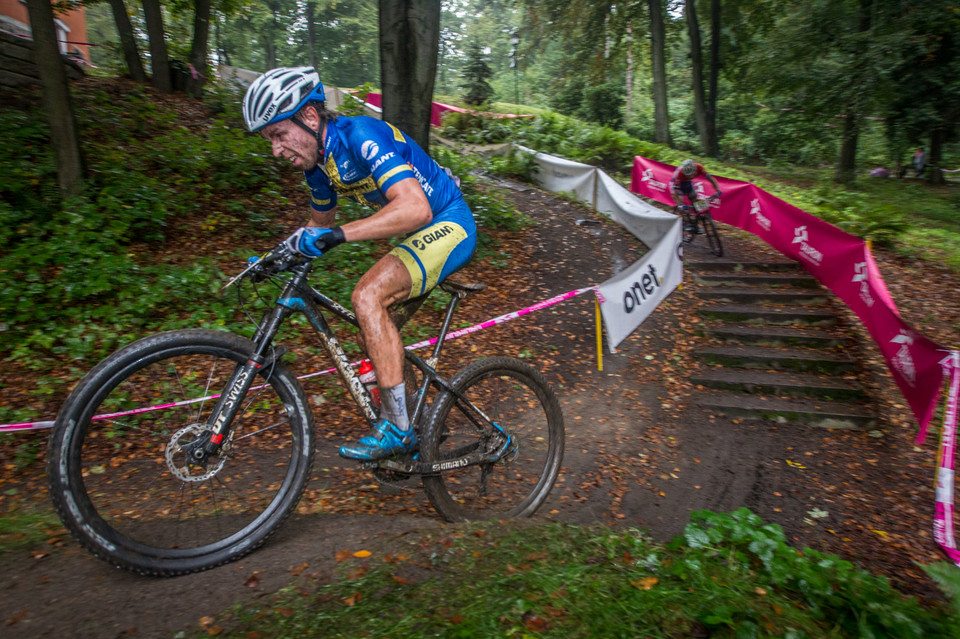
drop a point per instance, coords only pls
(638, 453)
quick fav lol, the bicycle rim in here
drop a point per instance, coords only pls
(713, 238)
(516, 398)
(129, 494)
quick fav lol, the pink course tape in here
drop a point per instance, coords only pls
(25, 426)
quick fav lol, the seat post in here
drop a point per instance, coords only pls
(451, 307)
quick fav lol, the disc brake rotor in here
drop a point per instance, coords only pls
(180, 465)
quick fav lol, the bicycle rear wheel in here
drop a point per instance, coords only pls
(516, 398)
(120, 481)
(713, 238)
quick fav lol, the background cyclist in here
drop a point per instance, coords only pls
(682, 181)
(377, 165)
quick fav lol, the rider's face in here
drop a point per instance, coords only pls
(291, 142)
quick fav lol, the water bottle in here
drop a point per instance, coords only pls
(369, 379)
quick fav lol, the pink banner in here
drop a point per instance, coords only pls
(438, 109)
(943, 529)
(840, 261)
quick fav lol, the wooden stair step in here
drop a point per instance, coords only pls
(771, 383)
(776, 358)
(774, 335)
(815, 316)
(819, 413)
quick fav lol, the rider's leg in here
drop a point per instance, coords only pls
(387, 282)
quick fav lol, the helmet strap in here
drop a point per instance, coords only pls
(316, 134)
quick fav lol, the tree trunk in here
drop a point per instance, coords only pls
(222, 56)
(56, 98)
(935, 157)
(198, 49)
(131, 54)
(159, 62)
(661, 116)
(312, 34)
(409, 36)
(628, 106)
(847, 164)
(696, 68)
(713, 147)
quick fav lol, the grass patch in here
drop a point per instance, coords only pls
(25, 529)
(728, 576)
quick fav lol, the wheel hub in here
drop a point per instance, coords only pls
(179, 457)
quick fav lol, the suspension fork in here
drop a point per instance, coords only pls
(241, 380)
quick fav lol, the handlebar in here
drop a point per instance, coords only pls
(277, 260)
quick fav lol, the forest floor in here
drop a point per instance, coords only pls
(639, 452)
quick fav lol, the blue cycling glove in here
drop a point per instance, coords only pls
(311, 241)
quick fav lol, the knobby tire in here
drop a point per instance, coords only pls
(516, 397)
(121, 485)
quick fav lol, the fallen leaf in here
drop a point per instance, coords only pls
(646, 583)
(299, 569)
(362, 554)
(253, 581)
(342, 555)
(534, 623)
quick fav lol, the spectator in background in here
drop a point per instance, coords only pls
(919, 161)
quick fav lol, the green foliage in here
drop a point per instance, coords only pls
(351, 107)
(833, 591)
(90, 272)
(476, 73)
(733, 576)
(947, 577)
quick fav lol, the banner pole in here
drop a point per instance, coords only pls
(596, 303)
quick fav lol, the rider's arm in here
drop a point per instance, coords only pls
(407, 210)
(323, 219)
(713, 181)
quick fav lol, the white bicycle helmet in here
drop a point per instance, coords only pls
(278, 94)
(688, 167)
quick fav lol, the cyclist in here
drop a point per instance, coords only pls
(682, 181)
(377, 165)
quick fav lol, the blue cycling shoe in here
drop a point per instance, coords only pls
(383, 441)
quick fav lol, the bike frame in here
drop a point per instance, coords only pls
(298, 296)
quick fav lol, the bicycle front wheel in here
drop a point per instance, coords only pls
(517, 399)
(120, 480)
(713, 238)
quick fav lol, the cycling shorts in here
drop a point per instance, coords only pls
(440, 248)
(685, 187)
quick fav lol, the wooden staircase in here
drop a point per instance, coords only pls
(771, 350)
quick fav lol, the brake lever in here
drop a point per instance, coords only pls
(271, 256)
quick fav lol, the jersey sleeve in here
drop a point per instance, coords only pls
(675, 178)
(380, 147)
(322, 197)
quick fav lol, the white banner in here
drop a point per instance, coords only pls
(557, 174)
(647, 223)
(629, 297)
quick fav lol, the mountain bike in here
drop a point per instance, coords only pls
(187, 449)
(697, 220)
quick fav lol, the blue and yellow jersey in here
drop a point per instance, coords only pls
(363, 157)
